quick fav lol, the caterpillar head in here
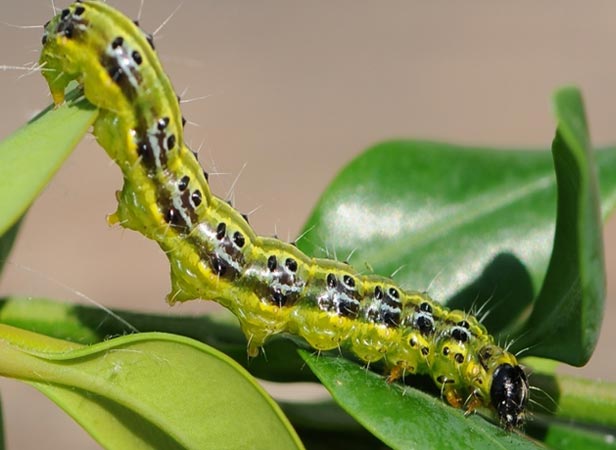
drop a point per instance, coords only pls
(509, 394)
(59, 56)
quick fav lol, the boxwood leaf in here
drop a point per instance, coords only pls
(149, 390)
(566, 318)
(31, 155)
(406, 418)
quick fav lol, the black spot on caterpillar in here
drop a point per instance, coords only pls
(271, 286)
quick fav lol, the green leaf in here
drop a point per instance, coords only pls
(566, 318)
(149, 390)
(89, 325)
(470, 225)
(405, 418)
(606, 163)
(54, 319)
(31, 155)
(486, 219)
(570, 398)
(567, 437)
(574, 399)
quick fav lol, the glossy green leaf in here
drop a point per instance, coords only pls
(420, 209)
(149, 390)
(31, 155)
(471, 225)
(566, 318)
(407, 418)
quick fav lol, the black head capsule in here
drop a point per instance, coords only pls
(509, 395)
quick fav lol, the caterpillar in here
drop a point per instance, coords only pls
(270, 286)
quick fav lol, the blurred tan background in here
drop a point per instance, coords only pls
(294, 91)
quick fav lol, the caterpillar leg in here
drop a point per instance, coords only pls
(398, 372)
(452, 396)
(470, 405)
(254, 347)
(395, 373)
(473, 402)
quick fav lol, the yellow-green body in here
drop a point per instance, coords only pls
(410, 333)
